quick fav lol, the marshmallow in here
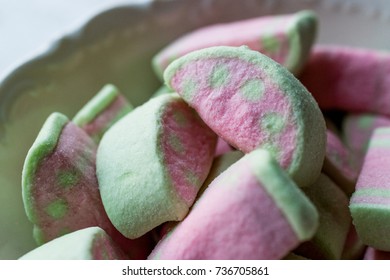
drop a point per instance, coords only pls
(91, 243)
(370, 202)
(102, 111)
(349, 79)
(287, 39)
(60, 188)
(253, 210)
(152, 163)
(252, 102)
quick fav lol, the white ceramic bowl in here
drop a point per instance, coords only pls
(116, 47)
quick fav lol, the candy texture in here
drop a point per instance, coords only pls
(334, 221)
(86, 244)
(349, 79)
(60, 188)
(287, 39)
(252, 102)
(102, 111)
(253, 210)
(151, 164)
(370, 203)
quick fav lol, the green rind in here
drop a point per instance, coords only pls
(372, 223)
(295, 206)
(97, 105)
(73, 246)
(311, 137)
(145, 186)
(44, 145)
(371, 191)
(302, 35)
(38, 235)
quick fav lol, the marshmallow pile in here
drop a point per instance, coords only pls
(259, 145)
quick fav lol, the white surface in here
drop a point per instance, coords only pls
(29, 25)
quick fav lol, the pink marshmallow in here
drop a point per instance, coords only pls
(244, 214)
(349, 79)
(370, 203)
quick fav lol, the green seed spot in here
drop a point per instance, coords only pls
(270, 44)
(180, 118)
(188, 89)
(64, 231)
(273, 123)
(365, 122)
(67, 178)
(252, 90)
(175, 143)
(57, 209)
(192, 178)
(219, 76)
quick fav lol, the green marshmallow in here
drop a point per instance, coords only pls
(146, 178)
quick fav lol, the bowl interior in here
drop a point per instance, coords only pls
(116, 47)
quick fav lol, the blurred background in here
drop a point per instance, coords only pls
(27, 26)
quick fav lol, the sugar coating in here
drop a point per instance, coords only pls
(91, 243)
(349, 79)
(339, 163)
(370, 203)
(62, 154)
(287, 39)
(357, 130)
(251, 211)
(102, 111)
(334, 220)
(60, 188)
(151, 164)
(280, 115)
